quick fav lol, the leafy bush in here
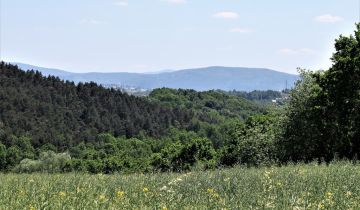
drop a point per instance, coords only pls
(183, 157)
(252, 143)
(49, 161)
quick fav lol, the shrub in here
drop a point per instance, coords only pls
(48, 161)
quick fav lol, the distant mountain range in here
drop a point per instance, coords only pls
(215, 77)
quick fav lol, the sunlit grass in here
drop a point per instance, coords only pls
(336, 186)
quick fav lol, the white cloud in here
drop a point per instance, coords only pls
(227, 15)
(175, 1)
(328, 18)
(92, 22)
(241, 30)
(121, 3)
(302, 51)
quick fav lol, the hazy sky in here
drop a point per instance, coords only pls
(151, 35)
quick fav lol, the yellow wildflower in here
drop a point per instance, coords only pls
(321, 206)
(120, 194)
(210, 190)
(329, 195)
(102, 197)
(329, 198)
(62, 194)
(164, 208)
(145, 190)
(348, 194)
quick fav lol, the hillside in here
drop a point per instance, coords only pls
(63, 114)
(200, 79)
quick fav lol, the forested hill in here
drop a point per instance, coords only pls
(63, 114)
(50, 110)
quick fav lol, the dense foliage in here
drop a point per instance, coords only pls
(323, 116)
(209, 106)
(258, 95)
(252, 143)
(214, 112)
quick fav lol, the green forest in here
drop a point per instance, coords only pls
(50, 125)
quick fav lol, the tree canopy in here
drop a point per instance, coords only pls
(323, 116)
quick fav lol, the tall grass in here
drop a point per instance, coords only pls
(336, 186)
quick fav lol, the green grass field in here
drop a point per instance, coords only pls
(336, 186)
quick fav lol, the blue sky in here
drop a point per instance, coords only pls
(152, 35)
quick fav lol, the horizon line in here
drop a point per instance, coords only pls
(167, 70)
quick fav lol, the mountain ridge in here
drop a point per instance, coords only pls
(201, 79)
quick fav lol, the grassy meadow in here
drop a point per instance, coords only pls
(336, 186)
